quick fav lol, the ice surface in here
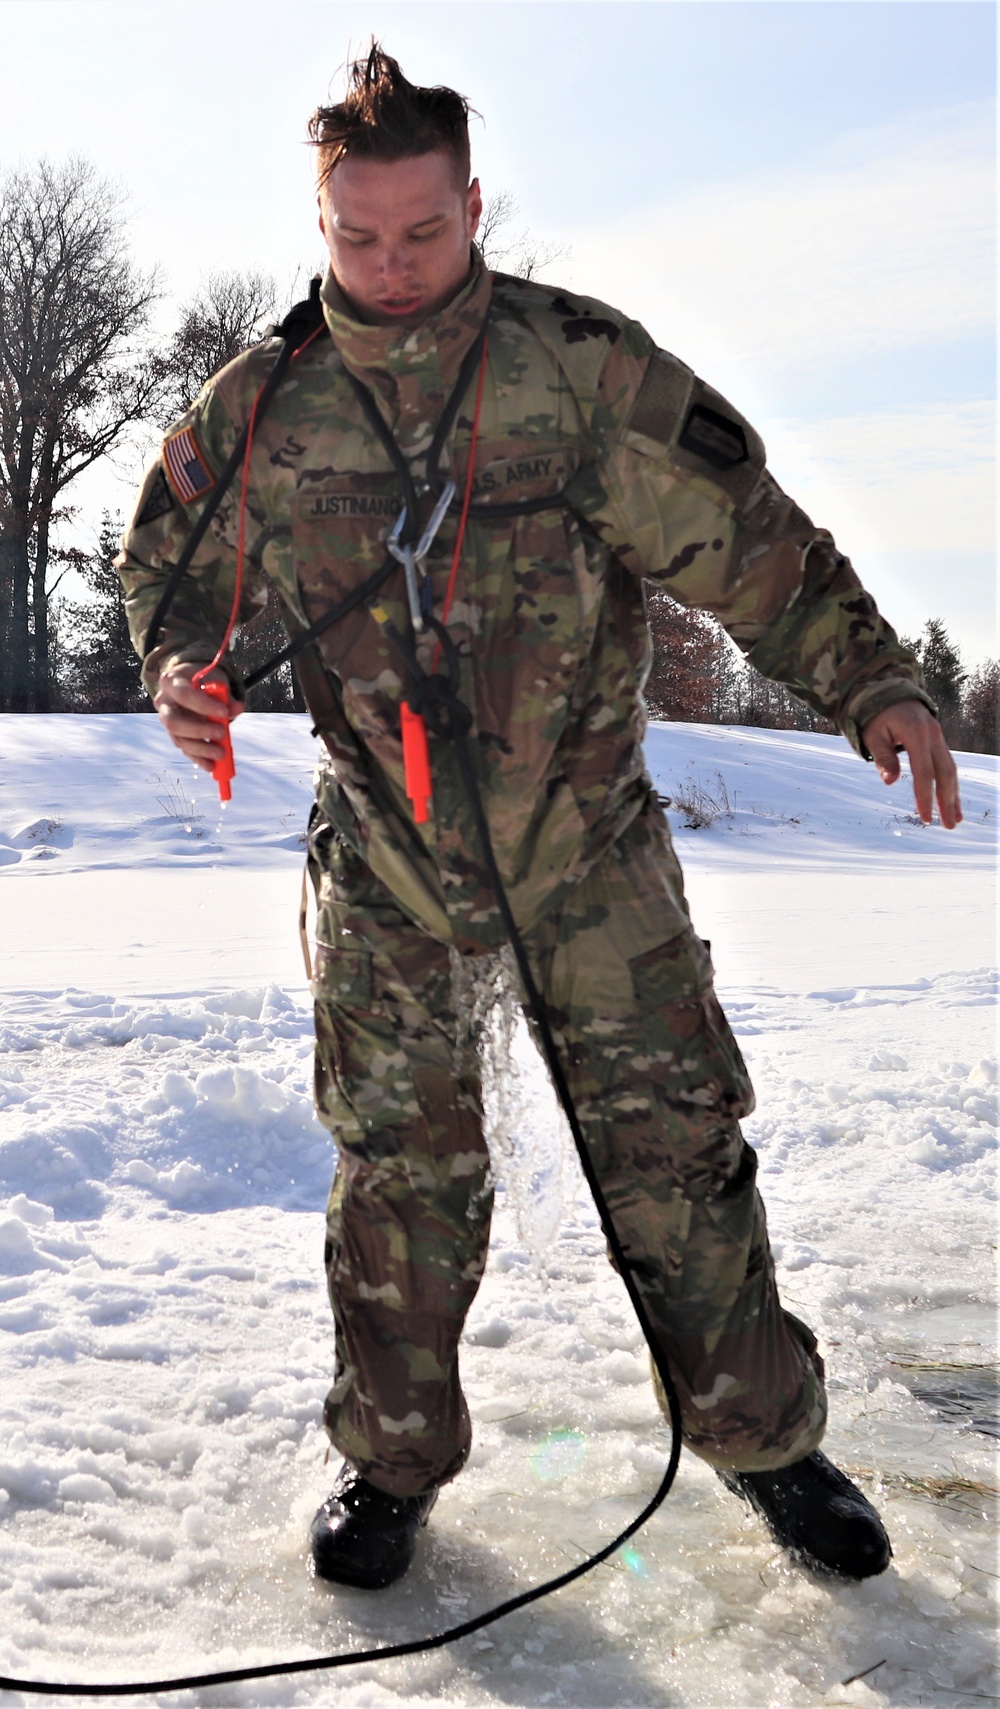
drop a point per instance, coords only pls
(164, 1333)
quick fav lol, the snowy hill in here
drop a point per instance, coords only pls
(164, 1335)
(93, 793)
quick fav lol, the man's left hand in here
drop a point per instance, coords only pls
(909, 725)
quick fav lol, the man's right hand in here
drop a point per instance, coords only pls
(908, 725)
(192, 718)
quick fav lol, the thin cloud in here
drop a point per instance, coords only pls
(917, 481)
(889, 246)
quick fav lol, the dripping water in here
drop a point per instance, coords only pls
(525, 1130)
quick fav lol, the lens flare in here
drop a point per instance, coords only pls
(633, 1560)
(560, 1454)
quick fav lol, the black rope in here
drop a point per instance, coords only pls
(437, 698)
(490, 512)
(383, 432)
(470, 363)
(212, 504)
(302, 319)
(354, 1658)
(334, 615)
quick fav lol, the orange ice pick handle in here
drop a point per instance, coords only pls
(416, 762)
(223, 770)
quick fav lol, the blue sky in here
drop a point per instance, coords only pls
(795, 195)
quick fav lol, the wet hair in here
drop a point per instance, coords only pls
(385, 117)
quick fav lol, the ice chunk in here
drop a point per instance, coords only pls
(31, 1211)
(185, 1181)
(141, 1173)
(15, 1241)
(928, 1151)
(195, 1526)
(887, 1062)
(85, 1486)
(178, 1090)
(216, 1085)
(495, 1332)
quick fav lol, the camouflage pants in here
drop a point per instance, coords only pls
(659, 1085)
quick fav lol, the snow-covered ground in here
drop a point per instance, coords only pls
(164, 1333)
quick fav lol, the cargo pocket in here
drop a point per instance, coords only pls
(730, 1231)
(343, 974)
(692, 1051)
(342, 995)
(710, 1255)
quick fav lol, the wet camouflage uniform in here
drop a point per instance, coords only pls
(658, 478)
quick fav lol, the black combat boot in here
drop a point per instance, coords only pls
(816, 1513)
(362, 1536)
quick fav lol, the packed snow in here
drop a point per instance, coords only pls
(165, 1340)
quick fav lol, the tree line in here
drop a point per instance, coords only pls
(82, 376)
(699, 676)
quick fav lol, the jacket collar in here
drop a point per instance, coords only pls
(382, 356)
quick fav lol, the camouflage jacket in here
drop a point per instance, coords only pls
(654, 475)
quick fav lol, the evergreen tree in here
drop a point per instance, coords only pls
(255, 643)
(99, 669)
(944, 674)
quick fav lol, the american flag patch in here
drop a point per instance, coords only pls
(187, 470)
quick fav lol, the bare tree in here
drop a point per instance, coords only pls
(981, 709)
(498, 211)
(228, 314)
(75, 374)
(505, 252)
(700, 676)
(685, 643)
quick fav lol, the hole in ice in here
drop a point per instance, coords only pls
(965, 1395)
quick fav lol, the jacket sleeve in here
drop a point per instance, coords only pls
(171, 498)
(686, 500)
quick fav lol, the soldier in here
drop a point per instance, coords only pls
(530, 456)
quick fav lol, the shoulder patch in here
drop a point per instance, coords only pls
(715, 438)
(188, 469)
(159, 500)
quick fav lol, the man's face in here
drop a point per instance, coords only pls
(398, 233)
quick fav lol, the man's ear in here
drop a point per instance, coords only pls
(474, 207)
(322, 221)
